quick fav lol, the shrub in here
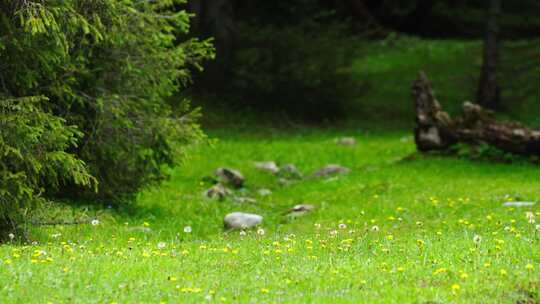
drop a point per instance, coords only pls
(33, 157)
(112, 69)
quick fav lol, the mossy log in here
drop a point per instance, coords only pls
(436, 130)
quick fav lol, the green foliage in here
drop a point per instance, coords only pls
(300, 70)
(33, 157)
(110, 68)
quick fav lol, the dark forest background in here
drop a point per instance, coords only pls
(295, 57)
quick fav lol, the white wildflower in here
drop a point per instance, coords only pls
(375, 228)
(94, 222)
(477, 239)
(243, 233)
(161, 245)
(11, 236)
(342, 226)
(187, 229)
(260, 231)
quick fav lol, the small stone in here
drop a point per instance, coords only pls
(269, 166)
(300, 210)
(245, 200)
(284, 182)
(264, 192)
(290, 171)
(140, 229)
(230, 176)
(217, 191)
(331, 170)
(346, 141)
(240, 220)
(519, 204)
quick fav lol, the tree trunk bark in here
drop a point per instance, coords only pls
(488, 87)
(215, 18)
(436, 130)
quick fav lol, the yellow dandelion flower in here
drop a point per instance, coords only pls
(529, 267)
(440, 270)
(265, 290)
(456, 287)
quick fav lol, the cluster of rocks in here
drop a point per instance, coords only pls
(227, 179)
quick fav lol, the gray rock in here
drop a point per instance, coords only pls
(284, 182)
(519, 204)
(240, 220)
(244, 200)
(269, 166)
(264, 192)
(217, 191)
(140, 229)
(231, 177)
(331, 170)
(290, 171)
(300, 210)
(346, 141)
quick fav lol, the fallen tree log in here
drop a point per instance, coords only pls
(436, 130)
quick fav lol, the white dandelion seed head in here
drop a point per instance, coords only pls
(375, 228)
(342, 226)
(161, 245)
(260, 231)
(242, 233)
(95, 222)
(11, 236)
(187, 229)
(477, 239)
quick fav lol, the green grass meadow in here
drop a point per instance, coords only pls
(401, 227)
